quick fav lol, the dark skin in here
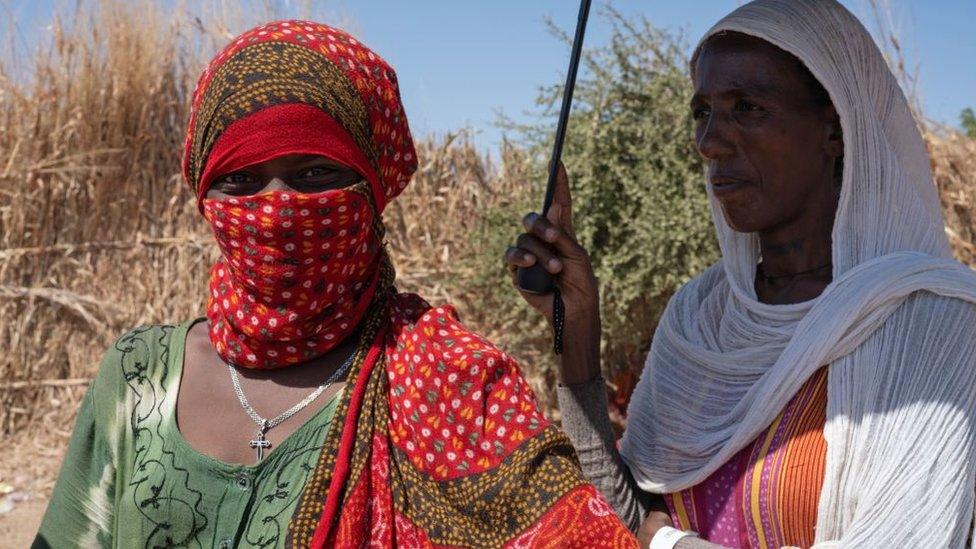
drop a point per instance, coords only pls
(772, 148)
(209, 415)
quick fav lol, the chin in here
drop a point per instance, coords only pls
(742, 228)
(742, 218)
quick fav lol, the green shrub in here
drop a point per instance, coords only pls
(638, 184)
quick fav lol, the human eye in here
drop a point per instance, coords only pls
(743, 105)
(326, 177)
(317, 172)
(699, 112)
(236, 183)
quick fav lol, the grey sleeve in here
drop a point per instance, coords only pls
(586, 422)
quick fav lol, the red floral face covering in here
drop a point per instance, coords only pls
(298, 272)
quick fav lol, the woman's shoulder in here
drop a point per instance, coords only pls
(148, 337)
(930, 311)
(145, 344)
(943, 326)
(140, 354)
(439, 331)
(930, 338)
(431, 342)
(458, 403)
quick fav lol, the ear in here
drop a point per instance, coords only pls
(834, 136)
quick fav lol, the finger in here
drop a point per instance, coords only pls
(513, 274)
(542, 252)
(540, 302)
(516, 257)
(544, 229)
(561, 210)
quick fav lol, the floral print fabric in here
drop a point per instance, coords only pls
(298, 271)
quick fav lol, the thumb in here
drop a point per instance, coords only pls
(561, 211)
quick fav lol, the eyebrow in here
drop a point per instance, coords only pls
(320, 160)
(736, 87)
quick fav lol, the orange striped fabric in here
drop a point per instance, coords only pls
(767, 494)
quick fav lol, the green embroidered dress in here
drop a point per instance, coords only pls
(130, 479)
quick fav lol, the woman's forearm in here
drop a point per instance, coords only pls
(579, 363)
(586, 422)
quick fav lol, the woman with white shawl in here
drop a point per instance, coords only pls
(817, 386)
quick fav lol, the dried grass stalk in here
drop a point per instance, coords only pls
(95, 221)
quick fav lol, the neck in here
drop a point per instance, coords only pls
(795, 263)
(797, 248)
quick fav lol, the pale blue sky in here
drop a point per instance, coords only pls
(461, 61)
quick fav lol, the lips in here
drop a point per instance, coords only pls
(724, 184)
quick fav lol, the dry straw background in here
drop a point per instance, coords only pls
(99, 234)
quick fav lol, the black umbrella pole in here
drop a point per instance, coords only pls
(535, 279)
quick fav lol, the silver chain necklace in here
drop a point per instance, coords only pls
(260, 444)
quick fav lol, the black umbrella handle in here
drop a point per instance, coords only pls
(535, 279)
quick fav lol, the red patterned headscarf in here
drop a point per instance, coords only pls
(301, 63)
(438, 440)
(298, 272)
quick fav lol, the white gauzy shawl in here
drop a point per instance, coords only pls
(897, 326)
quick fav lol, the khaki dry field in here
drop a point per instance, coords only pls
(99, 234)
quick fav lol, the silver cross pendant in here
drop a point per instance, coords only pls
(261, 443)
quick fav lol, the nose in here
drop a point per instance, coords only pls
(276, 184)
(713, 141)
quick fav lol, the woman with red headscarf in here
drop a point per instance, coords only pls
(314, 405)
